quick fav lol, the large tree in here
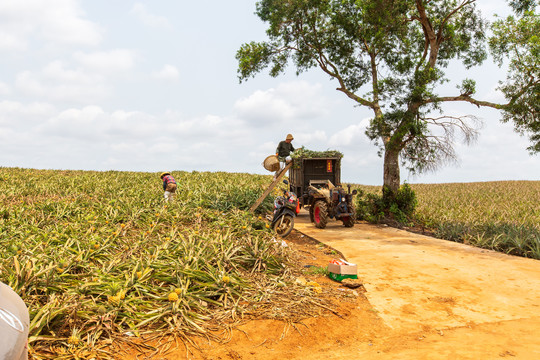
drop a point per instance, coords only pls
(390, 56)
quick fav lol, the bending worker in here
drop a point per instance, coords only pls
(169, 185)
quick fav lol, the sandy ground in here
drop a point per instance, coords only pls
(424, 299)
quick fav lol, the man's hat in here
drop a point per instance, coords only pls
(289, 137)
(164, 173)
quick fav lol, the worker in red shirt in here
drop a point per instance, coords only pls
(169, 185)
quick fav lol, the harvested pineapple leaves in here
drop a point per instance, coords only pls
(99, 258)
(303, 153)
(306, 153)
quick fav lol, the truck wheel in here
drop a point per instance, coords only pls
(348, 221)
(320, 214)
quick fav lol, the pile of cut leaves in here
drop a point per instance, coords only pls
(303, 153)
(311, 154)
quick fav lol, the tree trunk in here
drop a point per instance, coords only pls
(391, 169)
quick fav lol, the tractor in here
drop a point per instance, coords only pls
(316, 180)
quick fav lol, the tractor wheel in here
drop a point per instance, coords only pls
(284, 226)
(348, 221)
(320, 214)
(311, 214)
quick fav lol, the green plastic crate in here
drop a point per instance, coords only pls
(340, 277)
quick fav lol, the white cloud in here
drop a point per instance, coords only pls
(263, 106)
(53, 21)
(17, 114)
(63, 23)
(11, 43)
(159, 134)
(92, 138)
(296, 100)
(225, 129)
(350, 134)
(132, 124)
(92, 123)
(168, 72)
(112, 61)
(488, 8)
(164, 146)
(57, 82)
(127, 148)
(57, 70)
(268, 147)
(89, 82)
(495, 96)
(142, 13)
(499, 154)
(84, 124)
(4, 89)
(313, 138)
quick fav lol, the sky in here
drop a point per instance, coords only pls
(153, 86)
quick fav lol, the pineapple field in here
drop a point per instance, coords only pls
(101, 260)
(498, 215)
(502, 215)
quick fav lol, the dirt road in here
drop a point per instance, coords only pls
(425, 299)
(467, 303)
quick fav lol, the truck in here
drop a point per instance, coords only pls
(316, 179)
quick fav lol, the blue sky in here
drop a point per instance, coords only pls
(152, 86)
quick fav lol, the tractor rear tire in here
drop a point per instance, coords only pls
(320, 214)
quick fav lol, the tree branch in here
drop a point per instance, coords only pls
(466, 98)
(353, 96)
(429, 33)
(324, 64)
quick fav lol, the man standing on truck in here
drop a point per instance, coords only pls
(283, 152)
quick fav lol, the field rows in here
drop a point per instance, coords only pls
(99, 256)
(500, 215)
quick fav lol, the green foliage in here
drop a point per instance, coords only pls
(405, 200)
(522, 6)
(369, 207)
(468, 87)
(317, 270)
(312, 154)
(518, 40)
(252, 58)
(514, 239)
(399, 206)
(304, 153)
